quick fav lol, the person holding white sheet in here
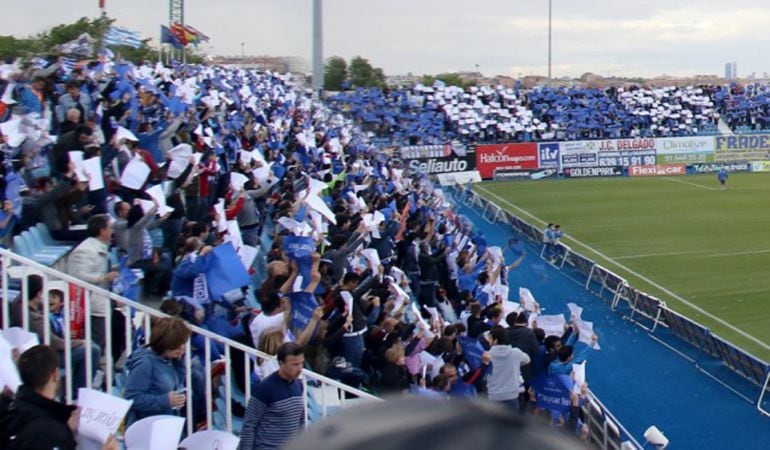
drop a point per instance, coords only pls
(55, 206)
(562, 365)
(35, 420)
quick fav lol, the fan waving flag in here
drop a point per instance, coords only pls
(122, 36)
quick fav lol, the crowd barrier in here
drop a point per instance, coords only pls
(323, 396)
(643, 309)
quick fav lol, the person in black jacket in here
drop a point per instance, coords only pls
(34, 420)
(365, 310)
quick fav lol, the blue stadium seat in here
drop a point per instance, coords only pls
(39, 248)
(39, 237)
(21, 247)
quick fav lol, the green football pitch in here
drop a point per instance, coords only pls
(704, 251)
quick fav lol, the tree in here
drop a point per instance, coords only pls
(335, 73)
(44, 43)
(450, 79)
(362, 73)
(11, 47)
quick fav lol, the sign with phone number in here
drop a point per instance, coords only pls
(608, 158)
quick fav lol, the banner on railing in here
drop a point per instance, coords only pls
(444, 164)
(716, 167)
(696, 149)
(511, 174)
(548, 155)
(657, 170)
(553, 393)
(760, 166)
(586, 172)
(608, 153)
(505, 156)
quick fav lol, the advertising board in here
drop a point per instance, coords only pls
(586, 172)
(657, 170)
(505, 156)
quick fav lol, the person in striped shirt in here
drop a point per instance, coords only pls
(276, 411)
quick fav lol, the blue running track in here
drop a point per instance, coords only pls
(646, 380)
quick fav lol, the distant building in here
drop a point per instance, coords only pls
(272, 63)
(731, 71)
(407, 80)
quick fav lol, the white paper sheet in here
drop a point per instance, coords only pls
(21, 339)
(93, 169)
(100, 414)
(552, 324)
(135, 174)
(238, 180)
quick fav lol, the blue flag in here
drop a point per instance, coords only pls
(553, 393)
(472, 350)
(166, 37)
(302, 306)
(128, 280)
(13, 185)
(225, 271)
(300, 249)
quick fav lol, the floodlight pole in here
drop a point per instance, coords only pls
(549, 37)
(318, 60)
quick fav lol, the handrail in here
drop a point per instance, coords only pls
(149, 310)
(614, 419)
(9, 257)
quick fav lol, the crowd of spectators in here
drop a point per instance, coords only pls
(361, 264)
(439, 114)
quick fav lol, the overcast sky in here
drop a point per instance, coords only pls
(509, 37)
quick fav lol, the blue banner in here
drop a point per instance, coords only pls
(13, 184)
(128, 280)
(225, 271)
(553, 393)
(472, 350)
(300, 249)
(302, 306)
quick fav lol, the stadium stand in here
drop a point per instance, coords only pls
(257, 216)
(438, 114)
(282, 225)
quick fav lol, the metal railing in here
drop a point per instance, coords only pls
(329, 395)
(642, 309)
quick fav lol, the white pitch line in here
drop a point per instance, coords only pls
(691, 184)
(754, 252)
(655, 254)
(638, 275)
